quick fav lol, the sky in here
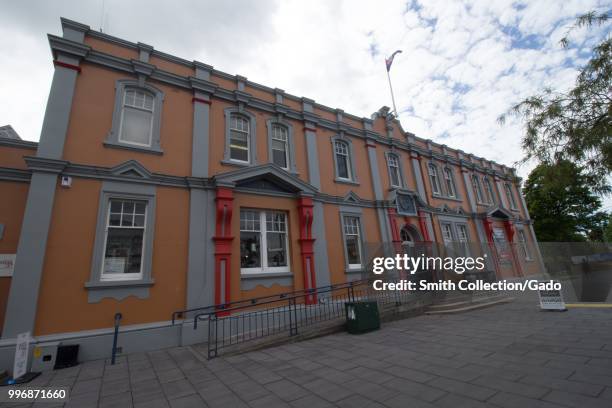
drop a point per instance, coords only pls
(463, 62)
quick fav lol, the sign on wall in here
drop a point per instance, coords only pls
(21, 355)
(7, 264)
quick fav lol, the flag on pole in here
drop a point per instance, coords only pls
(389, 61)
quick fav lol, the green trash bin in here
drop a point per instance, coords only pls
(362, 317)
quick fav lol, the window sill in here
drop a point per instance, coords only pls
(118, 290)
(119, 283)
(116, 145)
(442, 197)
(267, 280)
(352, 271)
(230, 162)
(346, 181)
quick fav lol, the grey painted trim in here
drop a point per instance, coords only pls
(2, 227)
(502, 194)
(248, 282)
(418, 176)
(376, 184)
(201, 138)
(22, 176)
(252, 136)
(290, 142)
(99, 289)
(470, 190)
(351, 158)
(200, 274)
(320, 245)
(31, 251)
(22, 144)
(383, 222)
(231, 178)
(353, 212)
(401, 169)
(350, 209)
(313, 159)
(430, 229)
(112, 138)
(97, 344)
(57, 113)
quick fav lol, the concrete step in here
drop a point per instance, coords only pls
(481, 304)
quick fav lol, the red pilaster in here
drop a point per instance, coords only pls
(395, 233)
(223, 245)
(488, 226)
(305, 210)
(509, 227)
(423, 226)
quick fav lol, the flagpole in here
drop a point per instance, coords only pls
(392, 96)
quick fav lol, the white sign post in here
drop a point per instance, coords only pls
(551, 300)
(21, 355)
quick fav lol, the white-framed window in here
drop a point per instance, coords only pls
(280, 148)
(239, 138)
(394, 170)
(477, 189)
(352, 238)
(510, 196)
(450, 183)
(264, 241)
(463, 238)
(124, 240)
(136, 126)
(488, 190)
(447, 233)
(434, 178)
(524, 245)
(343, 160)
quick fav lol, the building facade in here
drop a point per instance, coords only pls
(160, 184)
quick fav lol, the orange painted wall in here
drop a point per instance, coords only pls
(110, 48)
(63, 304)
(333, 235)
(12, 157)
(12, 207)
(172, 67)
(91, 120)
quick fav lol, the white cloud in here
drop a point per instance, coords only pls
(459, 70)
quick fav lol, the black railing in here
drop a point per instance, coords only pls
(286, 314)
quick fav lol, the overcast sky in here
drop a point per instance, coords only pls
(463, 62)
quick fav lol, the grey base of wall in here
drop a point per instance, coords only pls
(97, 344)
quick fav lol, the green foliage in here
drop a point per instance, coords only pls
(561, 203)
(576, 125)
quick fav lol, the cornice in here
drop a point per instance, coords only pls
(21, 144)
(44, 165)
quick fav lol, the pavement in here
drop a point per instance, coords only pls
(510, 355)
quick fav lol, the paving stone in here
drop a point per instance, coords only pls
(123, 400)
(286, 390)
(576, 400)
(357, 401)
(592, 390)
(505, 400)
(592, 379)
(177, 389)
(407, 401)
(226, 401)
(86, 387)
(269, 401)
(327, 390)
(462, 388)
(457, 401)
(531, 391)
(188, 401)
(607, 394)
(154, 403)
(409, 374)
(249, 390)
(170, 375)
(114, 387)
(84, 400)
(420, 391)
(310, 401)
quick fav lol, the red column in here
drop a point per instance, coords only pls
(223, 245)
(306, 240)
(509, 227)
(488, 226)
(423, 226)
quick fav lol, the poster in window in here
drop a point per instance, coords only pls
(114, 264)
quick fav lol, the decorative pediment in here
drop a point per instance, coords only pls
(445, 208)
(131, 168)
(498, 212)
(351, 197)
(267, 177)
